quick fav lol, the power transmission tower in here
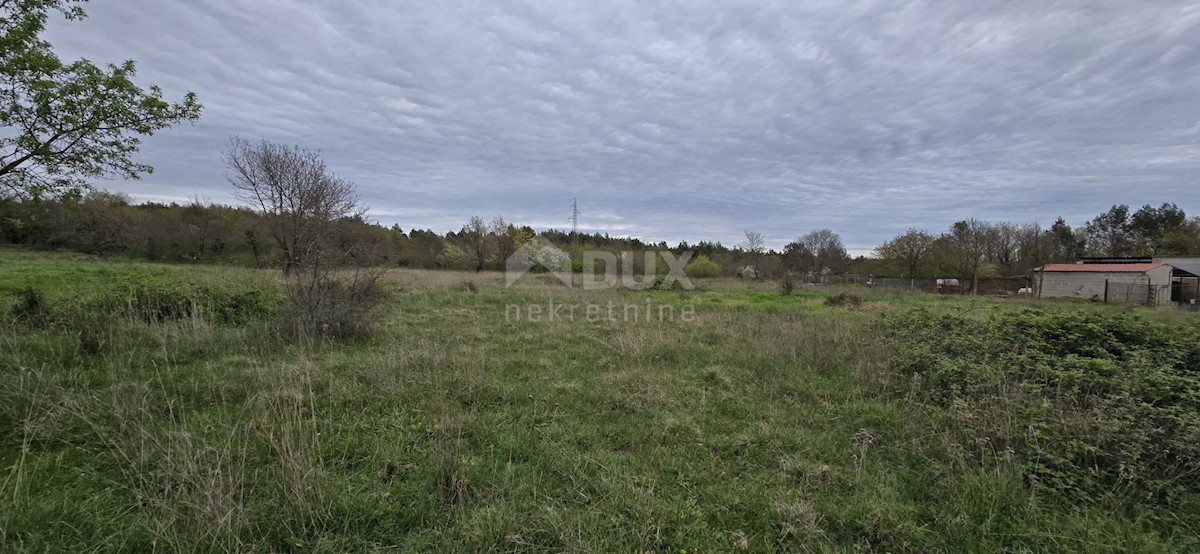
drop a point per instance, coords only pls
(574, 224)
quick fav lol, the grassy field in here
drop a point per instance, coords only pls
(156, 408)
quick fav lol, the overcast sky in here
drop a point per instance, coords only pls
(675, 120)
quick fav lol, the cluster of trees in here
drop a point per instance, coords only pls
(1149, 232)
(973, 249)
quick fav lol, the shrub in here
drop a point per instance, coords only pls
(844, 300)
(32, 309)
(332, 308)
(787, 284)
(1089, 403)
(702, 268)
(151, 302)
(243, 307)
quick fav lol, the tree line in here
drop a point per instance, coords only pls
(973, 249)
(111, 224)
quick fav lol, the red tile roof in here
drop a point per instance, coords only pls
(1101, 268)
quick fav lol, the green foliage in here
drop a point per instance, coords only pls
(702, 268)
(66, 123)
(1092, 403)
(909, 250)
(151, 302)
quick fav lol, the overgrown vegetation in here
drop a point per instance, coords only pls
(770, 423)
(1090, 404)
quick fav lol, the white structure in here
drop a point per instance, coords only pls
(1128, 283)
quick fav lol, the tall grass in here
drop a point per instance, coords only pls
(769, 423)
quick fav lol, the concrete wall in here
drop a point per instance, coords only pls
(1123, 287)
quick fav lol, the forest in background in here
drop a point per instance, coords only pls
(112, 224)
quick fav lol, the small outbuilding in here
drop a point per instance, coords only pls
(1122, 283)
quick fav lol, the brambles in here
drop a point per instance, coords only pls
(1090, 403)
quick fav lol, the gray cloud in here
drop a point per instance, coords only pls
(671, 120)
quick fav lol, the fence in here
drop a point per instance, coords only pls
(926, 285)
(999, 286)
(1141, 294)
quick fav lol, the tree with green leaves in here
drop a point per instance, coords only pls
(911, 249)
(1067, 244)
(1150, 225)
(1109, 234)
(64, 123)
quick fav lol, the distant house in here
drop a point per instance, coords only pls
(1143, 282)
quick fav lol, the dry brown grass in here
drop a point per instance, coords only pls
(423, 280)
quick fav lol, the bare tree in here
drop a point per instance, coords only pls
(293, 188)
(969, 242)
(330, 271)
(828, 252)
(755, 245)
(475, 234)
(1004, 247)
(1035, 246)
(504, 235)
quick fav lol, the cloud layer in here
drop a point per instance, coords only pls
(678, 120)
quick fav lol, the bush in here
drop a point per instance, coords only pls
(159, 302)
(333, 308)
(1089, 403)
(702, 268)
(844, 300)
(243, 307)
(32, 309)
(787, 284)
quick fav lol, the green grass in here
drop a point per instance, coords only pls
(769, 423)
